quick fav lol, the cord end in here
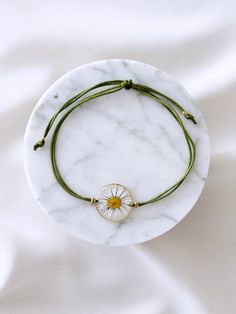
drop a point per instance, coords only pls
(189, 116)
(39, 144)
(93, 200)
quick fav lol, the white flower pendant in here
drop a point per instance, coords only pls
(114, 202)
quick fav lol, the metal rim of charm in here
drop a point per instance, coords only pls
(114, 202)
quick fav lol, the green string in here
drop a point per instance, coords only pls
(117, 85)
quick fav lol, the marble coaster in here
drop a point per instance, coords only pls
(124, 138)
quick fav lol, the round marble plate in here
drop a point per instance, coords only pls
(123, 138)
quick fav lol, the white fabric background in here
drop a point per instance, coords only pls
(189, 270)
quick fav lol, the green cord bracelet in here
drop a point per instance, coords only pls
(114, 202)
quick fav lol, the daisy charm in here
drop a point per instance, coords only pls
(114, 202)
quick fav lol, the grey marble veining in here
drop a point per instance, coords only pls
(125, 138)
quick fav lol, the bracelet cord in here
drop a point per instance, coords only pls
(167, 102)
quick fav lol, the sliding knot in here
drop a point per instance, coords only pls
(127, 84)
(189, 117)
(39, 144)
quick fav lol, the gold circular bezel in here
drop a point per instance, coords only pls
(105, 187)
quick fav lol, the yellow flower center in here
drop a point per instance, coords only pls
(114, 202)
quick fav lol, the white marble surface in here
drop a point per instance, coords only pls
(125, 138)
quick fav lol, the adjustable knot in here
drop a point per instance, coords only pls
(127, 84)
(189, 116)
(39, 144)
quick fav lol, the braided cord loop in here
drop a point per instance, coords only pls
(114, 86)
